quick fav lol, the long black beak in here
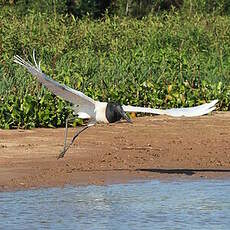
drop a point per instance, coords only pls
(126, 117)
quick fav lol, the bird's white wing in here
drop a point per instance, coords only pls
(78, 98)
(177, 112)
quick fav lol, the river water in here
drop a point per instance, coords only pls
(203, 204)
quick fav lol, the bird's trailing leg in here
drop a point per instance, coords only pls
(61, 155)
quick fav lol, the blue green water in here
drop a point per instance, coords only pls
(203, 204)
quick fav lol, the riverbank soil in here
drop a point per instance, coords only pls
(156, 147)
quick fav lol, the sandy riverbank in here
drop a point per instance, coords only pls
(152, 147)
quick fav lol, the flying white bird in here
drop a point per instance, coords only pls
(101, 112)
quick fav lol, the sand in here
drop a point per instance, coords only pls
(156, 147)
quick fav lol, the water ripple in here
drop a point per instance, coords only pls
(200, 204)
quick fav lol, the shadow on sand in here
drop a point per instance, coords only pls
(188, 172)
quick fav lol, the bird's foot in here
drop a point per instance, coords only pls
(62, 154)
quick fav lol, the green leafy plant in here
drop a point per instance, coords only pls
(164, 61)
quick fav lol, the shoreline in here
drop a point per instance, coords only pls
(156, 147)
(102, 178)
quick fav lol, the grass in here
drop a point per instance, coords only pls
(164, 61)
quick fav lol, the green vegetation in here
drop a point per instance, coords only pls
(164, 60)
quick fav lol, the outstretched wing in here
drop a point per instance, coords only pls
(177, 112)
(78, 98)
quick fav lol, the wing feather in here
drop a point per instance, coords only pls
(177, 112)
(76, 97)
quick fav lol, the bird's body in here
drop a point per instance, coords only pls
(102, 112)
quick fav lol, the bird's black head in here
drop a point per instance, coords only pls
(114, 112)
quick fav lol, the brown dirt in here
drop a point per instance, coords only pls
(152, 147)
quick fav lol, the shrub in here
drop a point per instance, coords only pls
(169, 60)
